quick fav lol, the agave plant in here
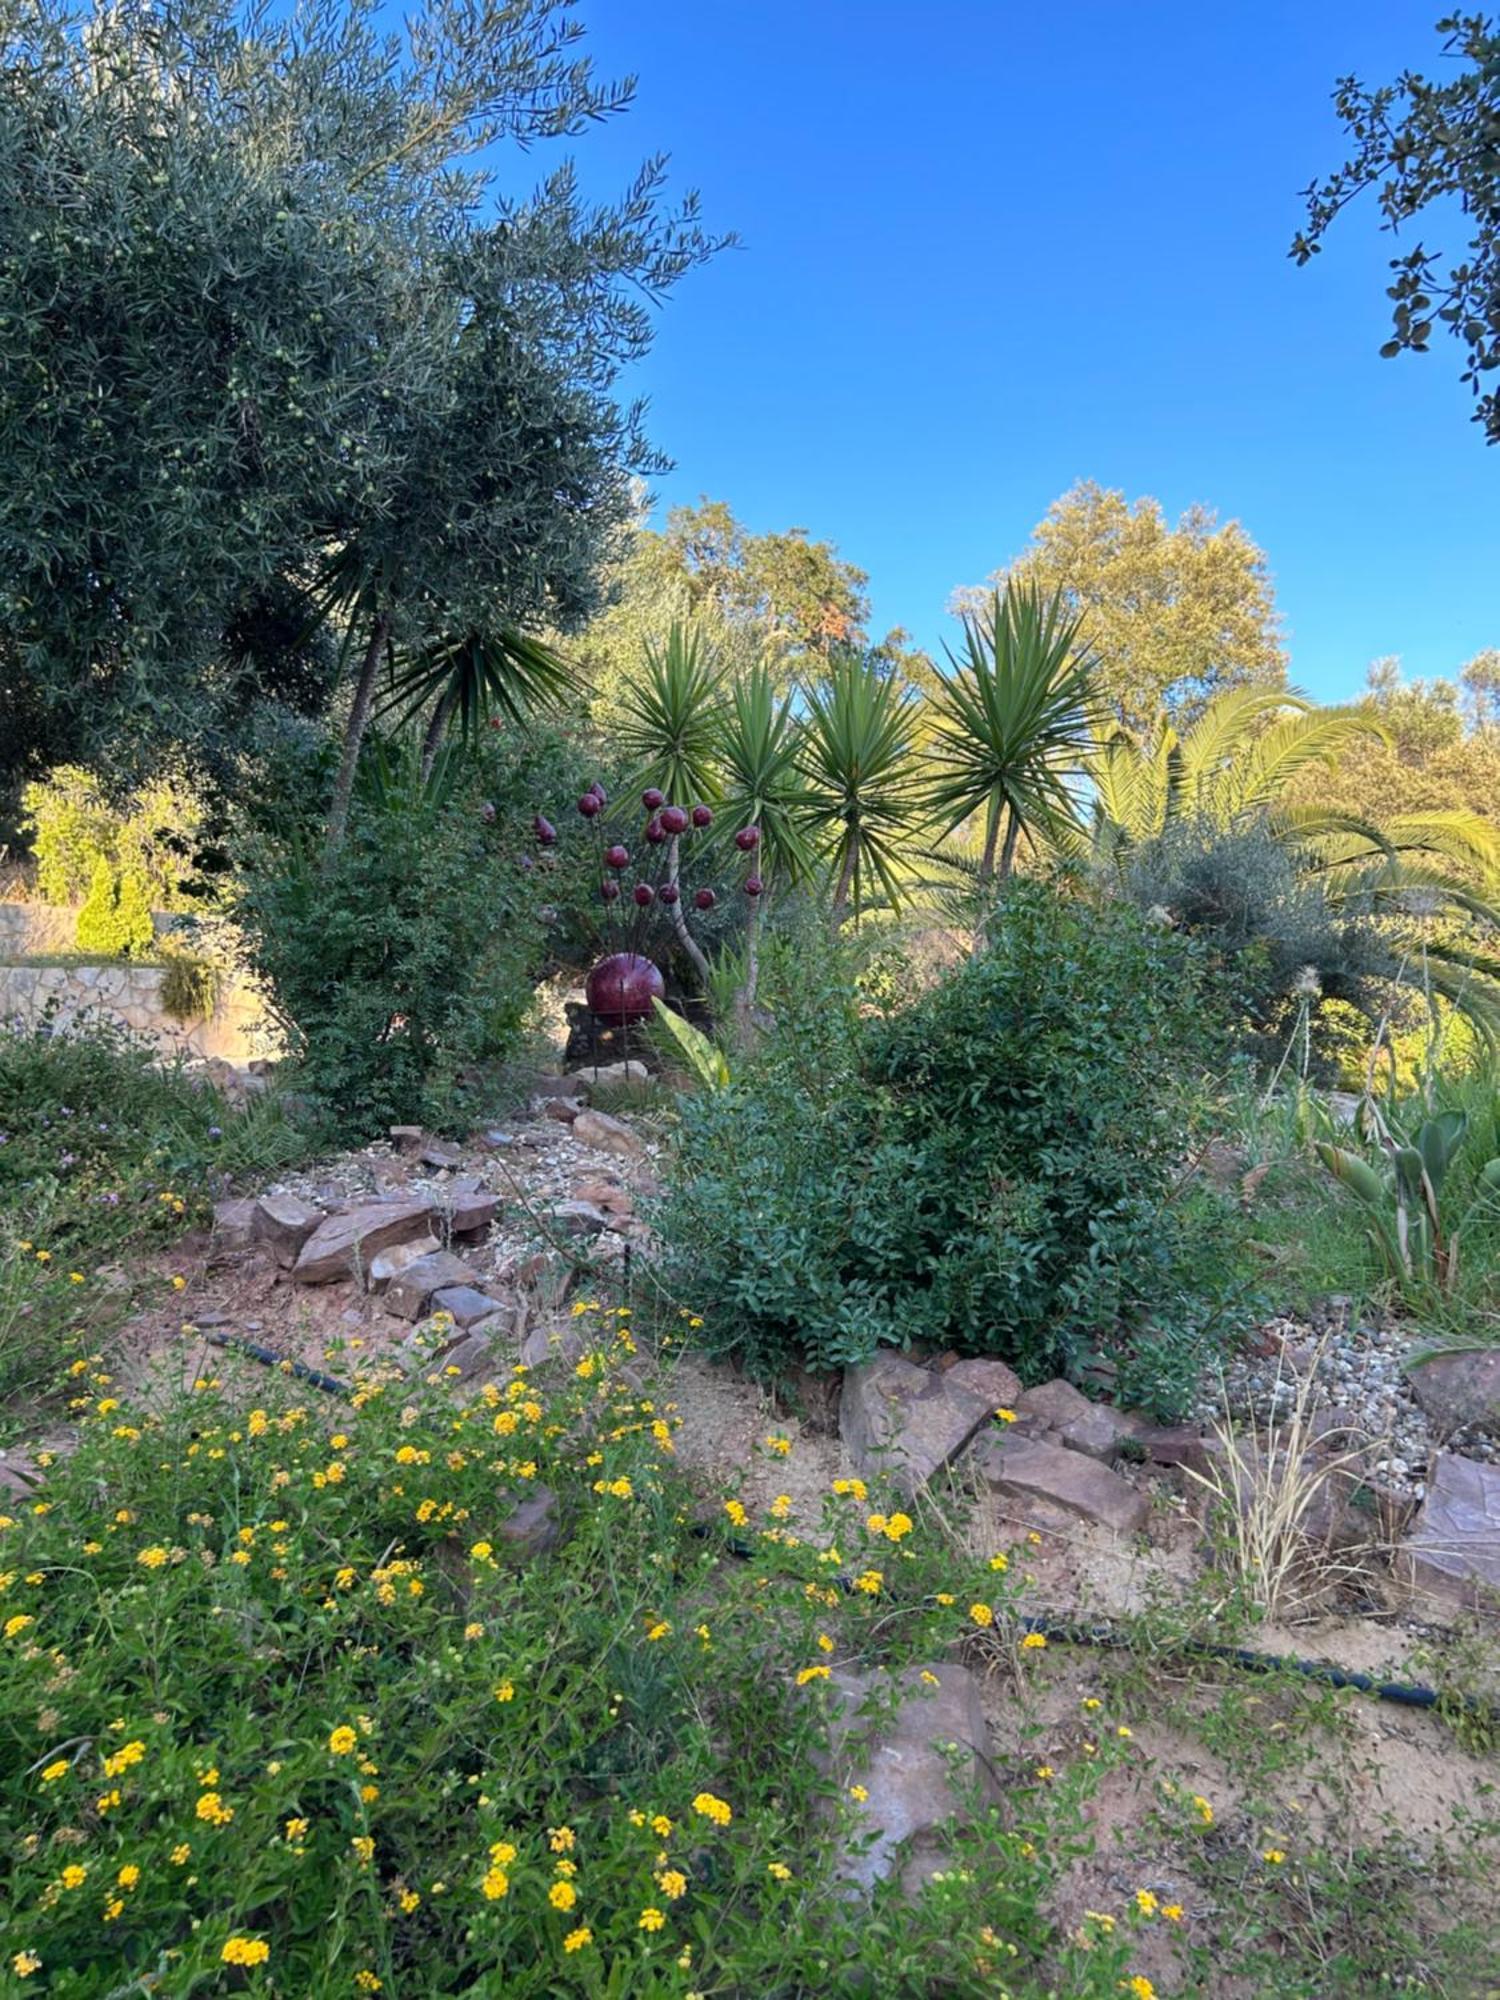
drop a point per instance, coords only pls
(471, 678)
(1403, 1197)
(670, 724)
(756, 750)
(1013, 727)
(857, 760)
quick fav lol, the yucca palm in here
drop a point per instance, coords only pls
(669, 726)
(757, 747)
(857, 759)
(1013, 727)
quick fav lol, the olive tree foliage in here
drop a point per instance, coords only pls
(1428, 149)
(1173, 614)
(282, 360)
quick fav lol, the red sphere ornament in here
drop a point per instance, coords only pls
(705, 899)
(668, 893)
(747, 839)
(544, 830)
(609, 890)
(645, 895)
(651, 798)
(599, 792)
(674, 819)
(656, 833)
(753, 885)
(617, 856)
(622, 987)
(591, 805)
(702, 816)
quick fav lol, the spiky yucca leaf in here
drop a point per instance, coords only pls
(856, 758)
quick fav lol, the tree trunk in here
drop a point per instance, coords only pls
(745, 1025)
(991, 837)
(354, 736)
(845, 883)
(679, 918)
(1008, 852)
(437, 728)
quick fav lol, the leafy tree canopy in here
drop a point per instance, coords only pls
(269, 321)
(1427, 149)
(1174, 614)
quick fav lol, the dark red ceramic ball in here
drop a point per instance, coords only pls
(621, 988)
(599, 792)
(702, 816)
(753, 885)
(544, 830)
(747, 839)
(668, 893)
(609, 890)
(591, 805)
(656, 833)
(645, 895)
(674, 819)
(705, 899)
(617, 856)
(651, 798)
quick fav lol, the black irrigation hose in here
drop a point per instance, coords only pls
(1409, 1694)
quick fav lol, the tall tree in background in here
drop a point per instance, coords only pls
(1174, 615)
(1424, 148)
(270, 334)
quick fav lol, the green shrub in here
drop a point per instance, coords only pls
(403, 967)
(189, 983)
(150, 835)
(115, 920)
(991, 1168)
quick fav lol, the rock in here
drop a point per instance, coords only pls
(1095, 1428)
(284, 1223)
(1453, 1551)
(471, 1211)
(408, 1293)
(456, 1352)
(234, 1225)
(534, 1528)
(919, 1765)
(607, 1195)
(438, 1153)
(1460, 1390)
(581, 1218)
(19, 1476)
(608, 1135)
(508, 1323)
(465, 1303)
(565, 1345)
(407, 1137)
(1026, 1469)
(1173, 1444)
(388, 1263)
(346, 1245)
(1000, 1386)
(553, 1083)
(899, 1419)
(629, 1071)
(563, 1109)
(546, 1275)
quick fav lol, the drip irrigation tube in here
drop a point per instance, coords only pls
(1407, 1693)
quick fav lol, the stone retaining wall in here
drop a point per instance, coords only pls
(131, 994)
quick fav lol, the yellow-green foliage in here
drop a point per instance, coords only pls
(148, 835)
(116, 917)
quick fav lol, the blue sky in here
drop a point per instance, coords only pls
(990, 249)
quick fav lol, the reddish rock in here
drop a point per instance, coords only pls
(345, 1246)
(284, 1222)
(581, 1218)
(1026, 1469)
(1453, 1552)
(608, 1135)
(388, 1263)
(408, 1293)
(234, 1225)
(999, 1385)
(471, 1211)
(1098, 1429)
(920, 1765)
(606, 1194)
(465, 1304)
(563, 1109)
(901, 1420)
(534, 1528)
(1460, 1390)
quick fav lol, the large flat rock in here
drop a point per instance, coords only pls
(1460, 1390)
(1098, 1429)
(917, 1765)
(408, 1292)
(344, 1246)
(1028, 1470)
(284, 1222)
(904, 1422)
(1453, 1550)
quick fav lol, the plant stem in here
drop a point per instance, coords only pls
(679, 919)
(354, 736)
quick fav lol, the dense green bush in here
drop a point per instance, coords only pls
(992, 1167)
(116, 916)
(404, 964)
(148, 836)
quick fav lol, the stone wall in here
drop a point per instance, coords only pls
(131, 994)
